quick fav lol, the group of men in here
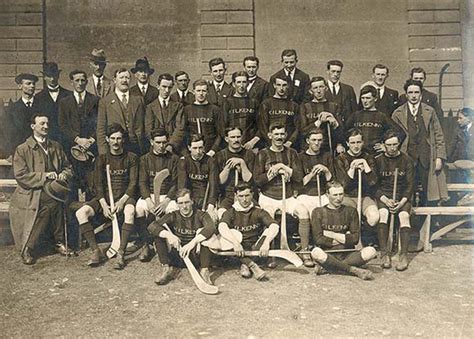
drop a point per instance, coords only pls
(234, 156)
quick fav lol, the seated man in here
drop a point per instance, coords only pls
(124, 176)
(335, 227)
(255, 226)
(180, 229)
(151, 163)
(400, 204)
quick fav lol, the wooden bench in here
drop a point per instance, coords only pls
(426, 237)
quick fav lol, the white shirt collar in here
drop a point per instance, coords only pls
(181, 93)
(162, 100)
(140, 86)
(414, 108)
(120, 94)
(76, 95)
(25, 100)
(291, 74)
(39, 139)
(96, 79)
(220, 84)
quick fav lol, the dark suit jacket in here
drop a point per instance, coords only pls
(213, 98)
(298, 89)
(387, 103)
(111, 110)
(345, 98)
(171, 119)
(427, 97)
(150, 95)
(259, 90)
(16, 126)
(188, 99)
(107, 87)
(50, 107)
(77, 122)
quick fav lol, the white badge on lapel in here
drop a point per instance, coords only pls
(297, 83)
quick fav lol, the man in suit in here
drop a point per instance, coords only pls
(17, 118)
(126, 110)
(257, 88)
(218, 89)
(182, 94)
(166, 114)
(424, 142)
(427, 97)
(387, 98)
(98, 84)
(143, 72)
(49, 97)
(298, 81)
(78, 121)
(338, 92)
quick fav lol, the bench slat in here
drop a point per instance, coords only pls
(444, 210)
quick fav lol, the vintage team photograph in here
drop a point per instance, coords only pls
(236, 168)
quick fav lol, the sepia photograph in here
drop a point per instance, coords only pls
(236, 168)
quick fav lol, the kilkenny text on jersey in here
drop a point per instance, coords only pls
(150, 165)
(250, 223)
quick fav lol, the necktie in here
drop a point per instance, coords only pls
(183, 96)
(81, 100)
(54, 90)
(414, 113)
(143, 90)
(165, 104)
(28, 104)
(99, 87)
(218, 89)
(334, 92)
(124, 100)
(378, 94)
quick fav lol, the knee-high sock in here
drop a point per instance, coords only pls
(87, 232)
(404, 239)
(141, 226)
(127, 229)
(303, 230)
(335, 264)
(162, 250)
(354, 259)
(382, 235)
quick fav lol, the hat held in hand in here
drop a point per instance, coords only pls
(81, 154)
(57, 189)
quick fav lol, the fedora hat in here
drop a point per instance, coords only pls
(142, 65)
(25, 76)
(50, 69)
(81, 154)
(57, 189)
(98, 56)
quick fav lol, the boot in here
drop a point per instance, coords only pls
(145, 254)
(271, 263)
(402, 264)
(245, 271)
(97, 257)
(258, 273)
(385, 260)
(318, 269)
(119, 261)
(27, 256)
(206, 275)
(307, 260)
(166, 276)
(361, 273)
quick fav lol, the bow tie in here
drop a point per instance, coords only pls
(53, 89)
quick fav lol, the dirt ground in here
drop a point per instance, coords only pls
(59, 297)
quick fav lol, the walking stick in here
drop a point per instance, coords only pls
(359, 206)
(283, 238)
(115, 245)
(392, 215)
(330, 138)
(318, 183)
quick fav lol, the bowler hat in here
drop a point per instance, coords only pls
(25, 76)
(81, 154)
(50, 69)
(57, 189)
(142, 65)
(98, 56)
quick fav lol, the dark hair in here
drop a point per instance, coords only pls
(411, 82)
(467, 112)
(200, 82)
(251, 58)
(333, 184)
(37, 115)
(354, 132)
(281, 77)
(165, 76)
(229, 129)
(369, 89)
(195, 138)
(334, 63)
(182, 192)
(314, 131)
(288, 53)
(75, 72)
(239, 74)
(120, 70)
(180, 73)
(417, 70)
(381, 67)
(216, 61)
(114, 128)
(242, 186)
(276, 125)
(316, 79)
(391, 133)
(158, 132)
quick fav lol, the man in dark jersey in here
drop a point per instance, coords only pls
(386, 164)
(203, 118)
(281, 110)
(348, 165)
(147, 206)
(239, 110)
(324, 114)
(197, 173)
(124, 177)
(255, 226)
(273, 164)
(180, 229)
(371, 122)
(233, 164)
(335, 227)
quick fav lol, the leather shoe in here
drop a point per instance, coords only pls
(63, 250)
(272, 263)
(258, 273)
(402, 264)
(206, 275)
(119, 261)
(96, 258)
(27, 257)
(361, 273)
(245, 271)
(307, 260)
(145, 254)
(166, 276)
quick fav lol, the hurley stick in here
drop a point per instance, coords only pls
(392, 215)
(359, 206)
(199, 126)
(318, 183)
(114, 247)
(330, 138)
(283, 238)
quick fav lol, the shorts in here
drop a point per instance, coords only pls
(95, 204)
(312, 201)
(272, 205)
(366, 202)
(141, 203)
